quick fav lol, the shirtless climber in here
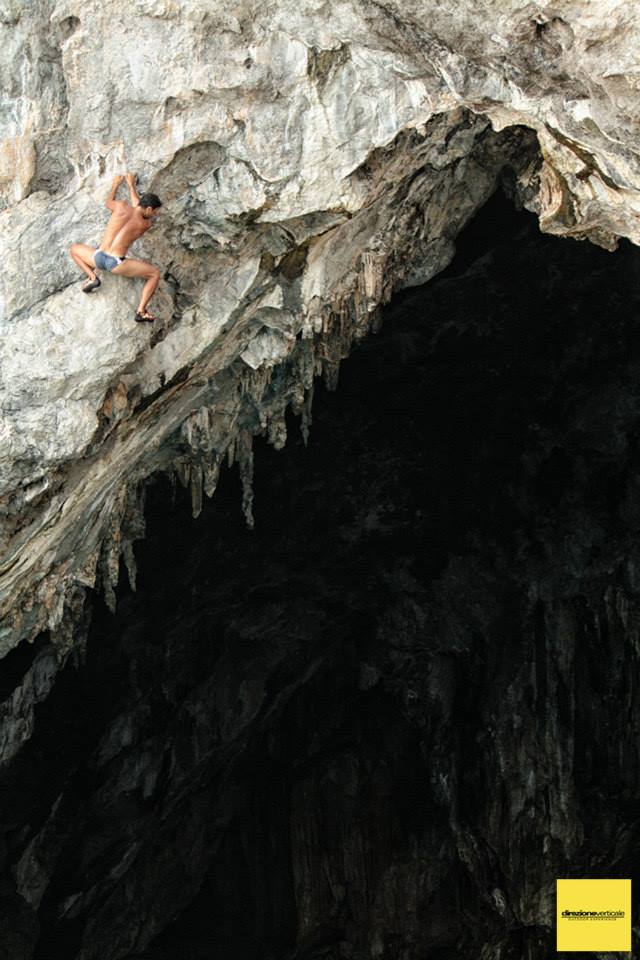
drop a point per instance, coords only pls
(127, 223)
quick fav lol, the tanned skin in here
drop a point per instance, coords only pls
(127, 223)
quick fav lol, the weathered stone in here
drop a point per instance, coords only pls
(385, 720)
(322, 157)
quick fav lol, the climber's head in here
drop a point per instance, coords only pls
(149, 205)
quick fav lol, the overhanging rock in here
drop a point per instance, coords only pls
(310, 164)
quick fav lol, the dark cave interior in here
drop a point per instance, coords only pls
(384, 721)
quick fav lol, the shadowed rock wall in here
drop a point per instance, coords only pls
(382, 722)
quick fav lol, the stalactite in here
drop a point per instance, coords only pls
(182, 467)
(245, 464)
(114, 512)
(387, 290)
(331, 371)
(69, 634)
(130, 563)
(197, 429)
(372, 274)
(313, 319)
(136, 524)
(108, 591)
(328, 332)
(244, 381)
(187, 429)
(55, 607)
(211, 474)
(307, 364)
(196, 489)
(305, 424)
(376, 320)
(133, 528)
(360, 321)
(87, 573)
(255, 382)
(297, 397)
(278, 429)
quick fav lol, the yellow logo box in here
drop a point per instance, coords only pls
(593, 915)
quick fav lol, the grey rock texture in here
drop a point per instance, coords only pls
(312, 158)
(383, 721)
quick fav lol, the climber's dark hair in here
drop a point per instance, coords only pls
(150, 200)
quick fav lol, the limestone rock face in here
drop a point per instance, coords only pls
(384, 721)
(311, 159)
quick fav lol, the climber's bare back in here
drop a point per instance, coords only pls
(125, 226)
(127, 223)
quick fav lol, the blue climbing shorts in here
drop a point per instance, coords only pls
(106, 261)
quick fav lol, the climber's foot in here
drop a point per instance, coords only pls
(143, 316)
(90, 284)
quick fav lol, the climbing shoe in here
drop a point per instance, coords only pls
(88, 287)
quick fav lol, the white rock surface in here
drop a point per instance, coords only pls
(311, 159)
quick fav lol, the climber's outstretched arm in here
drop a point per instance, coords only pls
(131, 183)
(111, 199)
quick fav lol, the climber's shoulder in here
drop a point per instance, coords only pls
(118, 206)
(146, 226)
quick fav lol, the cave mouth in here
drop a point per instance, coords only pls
(378, 723)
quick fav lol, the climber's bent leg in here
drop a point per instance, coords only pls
(140, 268)
(82, 255)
